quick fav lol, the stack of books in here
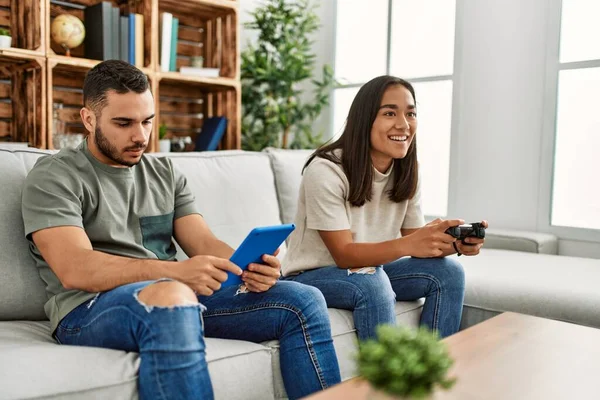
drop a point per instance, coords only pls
(169, 32)
(112, 36)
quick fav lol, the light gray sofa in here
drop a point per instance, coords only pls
(237, 191)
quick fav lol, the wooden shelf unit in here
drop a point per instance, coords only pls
(208, 28)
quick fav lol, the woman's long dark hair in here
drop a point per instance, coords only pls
(355, 143)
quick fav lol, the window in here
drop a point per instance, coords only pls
(375, 38)
(575, 193)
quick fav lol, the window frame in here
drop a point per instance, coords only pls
(550, 113)
(454, 78)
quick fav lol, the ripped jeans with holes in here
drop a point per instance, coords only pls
(170, 340)
(371, 292)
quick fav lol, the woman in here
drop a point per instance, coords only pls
(359, 219)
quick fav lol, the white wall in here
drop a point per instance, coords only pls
(497, 138)
(500, 67)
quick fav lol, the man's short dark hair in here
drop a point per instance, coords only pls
(116, 75)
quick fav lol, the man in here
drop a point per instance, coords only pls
(100, 220)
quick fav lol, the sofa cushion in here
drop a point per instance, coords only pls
(408, 313)
(235, 191)
(550, 286)
(532, 242)
(30, 358)
(287, 167)
(22, 292)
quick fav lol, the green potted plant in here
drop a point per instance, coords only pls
(404, 363)
(5, 38)
(278, 109)
(164, 144)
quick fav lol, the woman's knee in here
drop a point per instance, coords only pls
(167, 294)
(451, 272)
(373, 287)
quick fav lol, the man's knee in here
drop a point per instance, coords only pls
(167, 294)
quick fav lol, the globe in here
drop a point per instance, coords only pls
(68, 31)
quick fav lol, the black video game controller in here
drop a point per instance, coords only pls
(461, 232)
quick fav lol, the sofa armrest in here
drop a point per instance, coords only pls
(531, 242)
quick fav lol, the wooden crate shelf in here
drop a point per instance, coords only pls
(24, 19)
(22, 101)
(84, 63)
(35, 73)
(77, 8)
(216, 84)
(184, 105)
(208, 28)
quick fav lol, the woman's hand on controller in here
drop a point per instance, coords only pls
(432, 239)
(473, 245)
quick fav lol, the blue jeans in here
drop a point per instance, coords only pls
(171, 340)
(372, 292)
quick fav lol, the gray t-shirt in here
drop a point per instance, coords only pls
(124, 211)
(322, 206)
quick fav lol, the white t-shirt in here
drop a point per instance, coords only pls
(322, 206)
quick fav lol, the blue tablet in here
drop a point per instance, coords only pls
(261, 240)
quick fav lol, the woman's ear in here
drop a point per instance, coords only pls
(88, 117)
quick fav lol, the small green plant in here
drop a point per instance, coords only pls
(4, 32)
(162, 131)
(405, 362)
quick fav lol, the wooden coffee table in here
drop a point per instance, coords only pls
(513, 356)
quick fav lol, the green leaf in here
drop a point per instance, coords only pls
(405, 362)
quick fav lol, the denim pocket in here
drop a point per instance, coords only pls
(157, 233)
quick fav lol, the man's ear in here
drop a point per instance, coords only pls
(88, 117)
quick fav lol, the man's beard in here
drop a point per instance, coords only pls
(111, 151)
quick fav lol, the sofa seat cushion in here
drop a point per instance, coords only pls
(32, 365)
(550, 286)
(408, 313)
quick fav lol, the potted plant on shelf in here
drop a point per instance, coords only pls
(404, 363)
(5, 38)
(164, 144)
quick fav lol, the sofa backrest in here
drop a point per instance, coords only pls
(235, 192)
(22, 291)
(287, 166)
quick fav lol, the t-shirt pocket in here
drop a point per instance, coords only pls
(157, 233)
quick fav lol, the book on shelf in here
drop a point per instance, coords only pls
(99, 31)
(109, 35)
(116, 33)
(139, 40)
(166, 28)
(210, 136)
(173, 55)
(131, 38)
(124, 39)
(195, 71)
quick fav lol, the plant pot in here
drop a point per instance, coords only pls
(375, 394)
(164, 145)
(5, 42)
